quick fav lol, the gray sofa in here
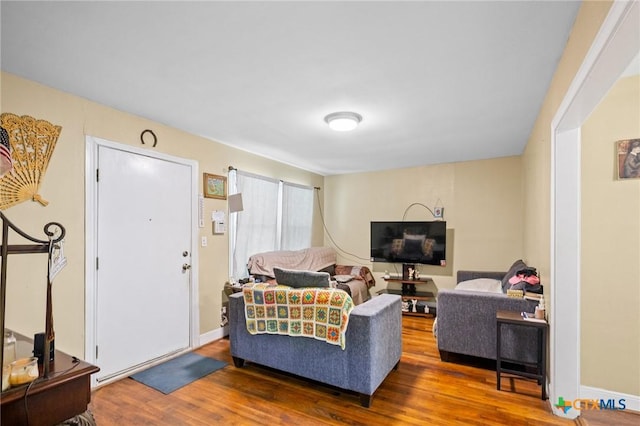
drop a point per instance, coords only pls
(373, 347)
(466, 322)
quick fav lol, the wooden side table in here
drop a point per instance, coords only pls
(65, 394)
(510, 317)
(230, 289)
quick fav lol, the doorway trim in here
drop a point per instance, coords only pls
(613, 48)
(91, 199)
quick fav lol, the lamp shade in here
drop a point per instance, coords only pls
(235, 203)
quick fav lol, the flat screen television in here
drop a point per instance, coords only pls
(409, 242)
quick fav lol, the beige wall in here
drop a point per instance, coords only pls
(476, 195)
(63, 187)
(536, 161)
(483, 210)
(599, 353)
(610, 287)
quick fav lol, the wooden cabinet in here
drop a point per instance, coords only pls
(65, 394)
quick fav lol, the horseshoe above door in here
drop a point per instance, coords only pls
(155, 138)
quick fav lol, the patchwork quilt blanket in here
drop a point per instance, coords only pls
(319, 313)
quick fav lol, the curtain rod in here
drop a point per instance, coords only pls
(231, 168)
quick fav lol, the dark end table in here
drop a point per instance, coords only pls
(504, 318)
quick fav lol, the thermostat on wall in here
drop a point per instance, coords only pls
(219, 222)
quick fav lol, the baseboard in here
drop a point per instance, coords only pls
(213, 335)
(632, 402)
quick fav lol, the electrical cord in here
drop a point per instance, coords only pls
(26, 393)
(416, 204)
(326, 230)
(76, 362)
(324, 225)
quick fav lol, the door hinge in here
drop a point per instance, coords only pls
(97, 262)
(96, 351)
(97, 175)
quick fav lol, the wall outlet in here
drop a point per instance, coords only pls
(203, 243)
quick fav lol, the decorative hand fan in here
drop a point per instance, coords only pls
(32, 143)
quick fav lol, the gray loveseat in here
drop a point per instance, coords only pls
(466, 322)
(373, 347)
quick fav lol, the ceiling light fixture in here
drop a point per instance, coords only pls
(343, 121)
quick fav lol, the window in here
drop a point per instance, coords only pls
(276, 215)
(297, 216)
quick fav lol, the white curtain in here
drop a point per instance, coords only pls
(276, 216)
(256, 227)
(297, 216)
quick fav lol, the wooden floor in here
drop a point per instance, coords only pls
(608, 418)
(423, 391)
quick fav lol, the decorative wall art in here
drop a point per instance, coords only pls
(214, 186)
(628, 159)
(32, 143)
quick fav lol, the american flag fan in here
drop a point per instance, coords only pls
(6, 164)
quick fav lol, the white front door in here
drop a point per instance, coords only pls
(143, 235)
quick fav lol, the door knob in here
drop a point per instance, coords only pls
(186, 267)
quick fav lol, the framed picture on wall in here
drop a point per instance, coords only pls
(214, 186)
(628, 159)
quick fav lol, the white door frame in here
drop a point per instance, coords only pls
(613, 48)
(91, 162)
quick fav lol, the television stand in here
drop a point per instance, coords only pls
(425, 301)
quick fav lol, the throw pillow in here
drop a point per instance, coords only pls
(343, 278)
(331, 270)
(517, 266)
(296, 278)
(488, 285)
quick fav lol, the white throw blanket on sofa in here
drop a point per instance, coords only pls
(309, 259)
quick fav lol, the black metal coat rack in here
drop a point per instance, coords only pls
(51, 229)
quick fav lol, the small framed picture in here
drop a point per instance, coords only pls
(214, 186)
(628, 159)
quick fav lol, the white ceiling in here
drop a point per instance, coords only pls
(435, 81)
